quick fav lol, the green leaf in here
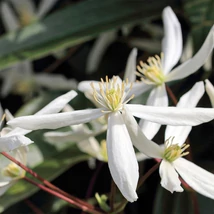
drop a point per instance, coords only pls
(50, 169)
(201, 16)
(73, 25)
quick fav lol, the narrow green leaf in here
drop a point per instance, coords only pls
(73, 25)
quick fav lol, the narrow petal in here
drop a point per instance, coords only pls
(192, 97)
(57, 104)
(54, 121)
(139, 88)
(119, 146)
(89, 146)
(196, 177)
(141, 157)
(9, 143)
(98, 50)
(169, 177)
(172, 42)
(131, 66)
(53, 107)
(172, 115)
(210, 91)
(44, 7)
(157, 97)
(138, 138)
(55, 81)
(193, 64)
(9, 19)
(188, 100)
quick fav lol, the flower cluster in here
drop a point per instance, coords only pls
(127, 140)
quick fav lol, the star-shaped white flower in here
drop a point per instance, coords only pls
(26, 12)
(173, 150)
(112, 97)
(159, 69)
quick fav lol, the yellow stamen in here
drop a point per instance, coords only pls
(13, 170)
(151, 72)
(104, 150)
(174, 151)
(112, 95)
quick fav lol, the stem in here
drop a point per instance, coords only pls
(44, 181)
(93, 180)
(112, 194)
(144, 177)
(172, 96)
(195, 202)
(35, 209)
(57, 194)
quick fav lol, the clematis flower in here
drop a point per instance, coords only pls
(26, 12)
(14, 138)
(21, 79)
(111, 96)
(173, 150)
(159, 69)
(10, 172)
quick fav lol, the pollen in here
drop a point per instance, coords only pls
(151, 72)
(13, 170)
(112, 94)
(174, 151)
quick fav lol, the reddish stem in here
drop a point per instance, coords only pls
(57, 194)
(172, 96)
(44, 181)
(35, 209)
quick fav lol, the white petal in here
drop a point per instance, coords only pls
(98, 50)
(90, 146)
(172, 42)
(193, 64)
(119, 146)
(44, 7)
(172, 115)
(20, 154)
(139, 88)
(196, 177)
(188, 49)
(169, 177)
(192, 97)
(210, 91)
(4, 186)
(157, 97)
(9, 143)
(8, 114)
(139, 140)
(57, 104)
(55, 81)
(9, 18)
(141, 157)
(131, 66)
(54, 121)
(188, 100)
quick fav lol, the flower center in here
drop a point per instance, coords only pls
(13, 170)
(25, 17)
(111, 94)
(151, 72)
(174, 151)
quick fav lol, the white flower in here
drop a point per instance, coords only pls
(210, 91)
(26, 12)
(10, 172)
(12, 139)
(112, 97)
(173, 150)
(159, 69)
(21, 79)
